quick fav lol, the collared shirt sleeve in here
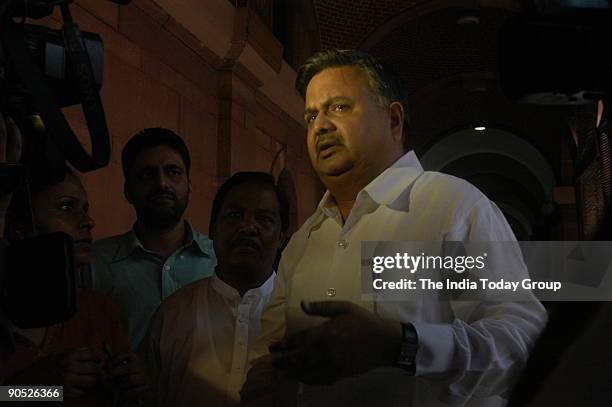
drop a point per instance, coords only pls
(481, 351)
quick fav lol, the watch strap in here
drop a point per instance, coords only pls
(408, 348)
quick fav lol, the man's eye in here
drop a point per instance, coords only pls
(147, 174)
(233, 214)
(66, 206)
(339, 108)
(266, 219)
(310, 118)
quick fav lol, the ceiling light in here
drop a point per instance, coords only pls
(468, 20)
(480, 128)
(468, 16)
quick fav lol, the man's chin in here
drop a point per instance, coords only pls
(333, 169)
(161, 217)
(246, 251)
(333, 165)
(246, 265)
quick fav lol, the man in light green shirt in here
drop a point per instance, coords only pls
(162, 252)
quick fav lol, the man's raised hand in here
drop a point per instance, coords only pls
(352, 341)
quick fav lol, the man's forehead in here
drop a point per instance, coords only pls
(335, 82)
(159, 156)
(251, 195)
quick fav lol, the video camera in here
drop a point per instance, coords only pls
(41, 71)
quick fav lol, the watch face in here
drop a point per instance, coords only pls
(408, 349)
(407, 357)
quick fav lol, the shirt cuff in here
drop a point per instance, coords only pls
(436, 348)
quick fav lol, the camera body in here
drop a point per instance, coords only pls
(46, 46)
(41, 71)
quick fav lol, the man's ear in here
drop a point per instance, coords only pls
(396, 118)
(211, 232)
(126, 192)
(283, 240)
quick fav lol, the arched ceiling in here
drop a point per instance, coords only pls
(435, 47)
(513, 156)
(450, 70)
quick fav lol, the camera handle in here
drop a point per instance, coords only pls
(59, 129)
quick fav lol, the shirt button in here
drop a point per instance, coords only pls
(343, 244)
(331, 292)
(181, 257)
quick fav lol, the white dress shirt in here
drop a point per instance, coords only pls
(469, 352)
(198, 344)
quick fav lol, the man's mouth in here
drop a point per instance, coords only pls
(326, 148)
(163, 198)
(84, 242)
(243, 243)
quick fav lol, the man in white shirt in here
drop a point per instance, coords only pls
(423, 351)
(198, 343)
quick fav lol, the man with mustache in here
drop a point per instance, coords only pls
(340, 347)
(198, 344)
(162, 252)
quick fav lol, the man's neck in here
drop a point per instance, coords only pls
(237, 280)
(163, 241)
(345, 187)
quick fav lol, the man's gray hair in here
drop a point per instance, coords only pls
(386, 87)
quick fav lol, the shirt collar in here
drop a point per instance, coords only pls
(385, 188)
(389, 185)
(231, 293)
(130, 242)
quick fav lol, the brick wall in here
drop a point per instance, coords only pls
(157, 73)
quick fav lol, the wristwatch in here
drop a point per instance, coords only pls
(408, 349)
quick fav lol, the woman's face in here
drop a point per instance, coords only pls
(64, 208)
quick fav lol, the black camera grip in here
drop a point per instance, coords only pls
(59, 128)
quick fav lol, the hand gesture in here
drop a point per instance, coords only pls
(129, 374)
(77, 370)
(261, 385)
(352, 341)
(80, 370)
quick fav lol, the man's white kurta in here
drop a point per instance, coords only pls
(198, 344)
(469, 352)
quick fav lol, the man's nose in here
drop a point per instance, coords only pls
(87, 222)
(323, 124)
(162, 178)
(249, 224)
